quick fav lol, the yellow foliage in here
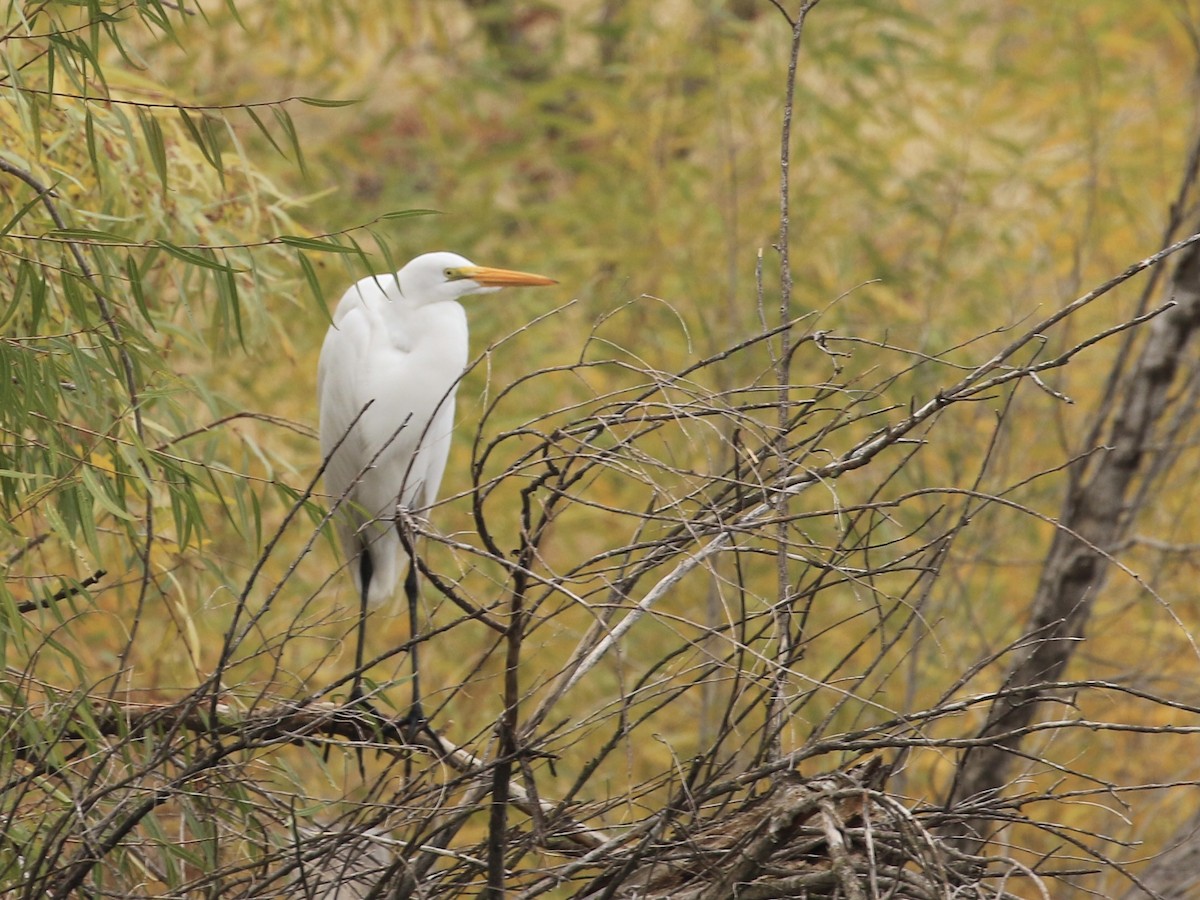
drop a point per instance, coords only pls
(957, 172)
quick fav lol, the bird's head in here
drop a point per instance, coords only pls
(432, 277)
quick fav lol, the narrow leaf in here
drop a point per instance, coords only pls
(265, 131)
(196, 259)
(20, 214)
(155, 145)
(314, 285)
(289, 128)
(326, 104)
(92, 235)
(136, 288)
(315, 244)
(210, 153)
(89, 134)
(408, 213)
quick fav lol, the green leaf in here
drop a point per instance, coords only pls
(316, 244)
(209, 125)
(314, 285)
(389, 259)
(88, 234)
(408, 214)
(37, 302)
(210, 153)
(20, 214)
(155, 145)
(289, 128)
(13, 473)
(136, 288)
(227, 293)
(23, 281)
(231, 5)
(101, 495)
(194, 258)
(266, 132)
(326, 104)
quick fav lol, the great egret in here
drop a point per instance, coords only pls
(389, 368)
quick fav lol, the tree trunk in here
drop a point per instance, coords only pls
(1175, 873)
(1094, 520)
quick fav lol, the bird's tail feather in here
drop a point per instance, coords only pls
(373, 549)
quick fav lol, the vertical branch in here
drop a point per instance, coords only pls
(508, 748)
(1098, 510)
(782, 611)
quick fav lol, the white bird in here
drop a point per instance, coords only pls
(389, 368)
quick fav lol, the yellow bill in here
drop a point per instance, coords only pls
(490, 277)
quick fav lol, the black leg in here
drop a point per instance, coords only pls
(416, 715)
(365, 570)
(357, 698)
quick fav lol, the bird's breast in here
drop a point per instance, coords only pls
(417, 364)
(433, 335)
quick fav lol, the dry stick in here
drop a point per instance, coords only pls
(832, 825)
(297, 427)
(586, 433)
(466, 763)
(297, 722)
(469, 765)
(509, 743)
(280, 240)
(507, 748)
(981, 496)
(858, 456)
(232, 638)
(304, 721)
(432, 848)
(1179, 209)
(72, 873)
(777, 704)
(776, 832)
(78, 588)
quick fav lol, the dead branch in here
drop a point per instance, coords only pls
(1094, 521)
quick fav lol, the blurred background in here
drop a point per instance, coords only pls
(958, 171)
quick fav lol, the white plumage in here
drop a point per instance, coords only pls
(398, 343)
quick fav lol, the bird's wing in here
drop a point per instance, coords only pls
(359, 367)
(408, 363)
(341, 399)
(435, 449)
(414, 366)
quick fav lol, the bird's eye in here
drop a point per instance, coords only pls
(449, 273)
